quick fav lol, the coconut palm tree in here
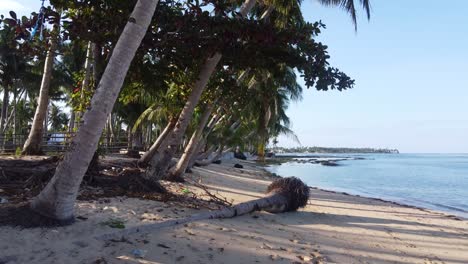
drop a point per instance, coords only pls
(32, 146)
(57, 199)
(161, 160)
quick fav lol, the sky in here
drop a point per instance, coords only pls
(410, 64)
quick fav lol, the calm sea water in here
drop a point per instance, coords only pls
(435, 181)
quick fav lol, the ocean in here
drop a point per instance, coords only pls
(433, 181)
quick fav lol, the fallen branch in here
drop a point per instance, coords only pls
(283, 195)
(214, 198)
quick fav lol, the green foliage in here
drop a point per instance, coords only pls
(18, 152)
(114, 223)
(251, 89)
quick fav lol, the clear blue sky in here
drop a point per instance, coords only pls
(410, 63)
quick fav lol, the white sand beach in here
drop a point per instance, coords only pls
(332, 228)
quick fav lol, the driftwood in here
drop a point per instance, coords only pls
(283, 195)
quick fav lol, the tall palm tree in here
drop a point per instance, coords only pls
(32, 146)
(57, 199)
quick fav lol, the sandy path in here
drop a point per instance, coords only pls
(333, 228)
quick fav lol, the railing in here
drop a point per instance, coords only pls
(57, 142)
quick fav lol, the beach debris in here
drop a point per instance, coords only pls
(163, 246)
(239, 166)
(139, 253)
(304, 258)
(179, 258)
(189, 232)
(3, 200)
(121, 240)
(227, 229)
(100, 260)
(114, 223)
(266, 246)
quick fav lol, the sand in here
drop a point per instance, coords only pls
(333, 228)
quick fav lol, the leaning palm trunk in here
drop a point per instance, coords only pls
(203, 155)
(161, 160)
(162, 137)
(178, 170)
(32, 146)
(202, 143)
(216, 157)
(57, 199)
(283, 195)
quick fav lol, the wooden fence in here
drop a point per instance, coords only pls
(57, 142)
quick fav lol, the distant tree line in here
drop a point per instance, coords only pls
(331, 150)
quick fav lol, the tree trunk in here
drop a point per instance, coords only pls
(97, 61)
(161, 160)
(203, 155)
(71, 123)
(178, 170)
(3, 117)
(216, 157)
(107, 129)
(58, 197)
(32, 146)
(271, 201)
(85, 84)
(15, 118)
(46, 121)
(283, 195)
(196, 155)
(148, 136)
(154, 148)
(111, 128)
(137, 139)
(5, 102)
(129, 138)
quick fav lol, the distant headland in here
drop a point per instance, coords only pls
(332, 150)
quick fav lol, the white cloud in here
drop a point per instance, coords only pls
(8, 5)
